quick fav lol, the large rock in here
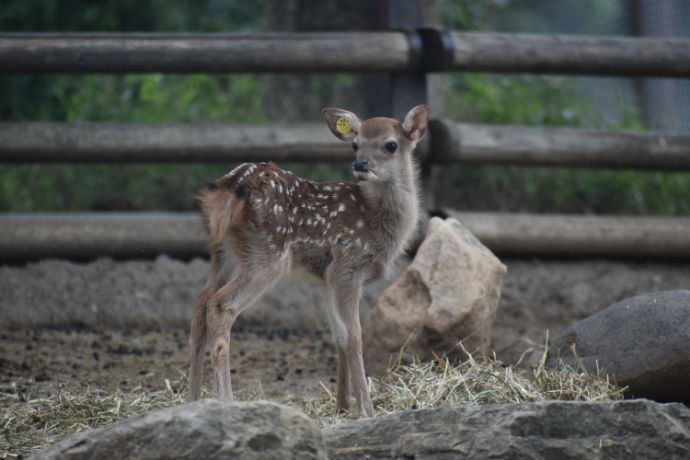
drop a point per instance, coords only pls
(449, 293)
(205, 429)
(642, 342)
(544, 430)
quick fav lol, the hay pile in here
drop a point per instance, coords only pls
(472, 382)
(28, 425)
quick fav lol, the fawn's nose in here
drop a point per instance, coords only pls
(360, 164)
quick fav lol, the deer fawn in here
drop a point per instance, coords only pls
(264, 222)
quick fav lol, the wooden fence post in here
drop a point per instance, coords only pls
(408, 89)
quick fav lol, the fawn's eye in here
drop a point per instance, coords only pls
(391, 146)
(355, 146)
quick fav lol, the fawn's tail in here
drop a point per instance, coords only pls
(223, 205)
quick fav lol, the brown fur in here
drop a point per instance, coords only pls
(264, 222)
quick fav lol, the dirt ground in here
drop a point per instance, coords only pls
(538, 295)
(278, 363)
(269, 361)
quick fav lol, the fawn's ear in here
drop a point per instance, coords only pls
(345, 125)
(415, 122)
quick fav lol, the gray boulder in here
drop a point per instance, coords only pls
(543, 430)
(205, 429)
(642, 342)
(449, 293)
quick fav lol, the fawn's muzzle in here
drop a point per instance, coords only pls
(360, 165)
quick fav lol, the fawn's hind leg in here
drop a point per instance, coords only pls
(248, 283)
(221, 264)
(197, 344)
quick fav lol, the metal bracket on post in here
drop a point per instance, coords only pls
(437, 49)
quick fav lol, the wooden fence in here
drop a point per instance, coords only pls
(408, 57)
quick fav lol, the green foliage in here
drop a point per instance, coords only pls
(154, 98)
(149, 98)
(550, 101)
(544, 101)
(525, 100)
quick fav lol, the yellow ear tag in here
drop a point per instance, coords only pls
(343, 126)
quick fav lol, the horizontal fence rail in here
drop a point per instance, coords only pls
(209, 53)
(344, 51)
(451, 142)
(579, 236)
(88, 235)
(85, 236)
(529, 146)
(131, 142)
(569, 54)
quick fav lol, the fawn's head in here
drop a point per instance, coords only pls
(380, 144)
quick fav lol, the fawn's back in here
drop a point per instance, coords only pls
(262, 210)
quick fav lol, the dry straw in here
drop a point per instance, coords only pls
(474, 381)
(30, 424)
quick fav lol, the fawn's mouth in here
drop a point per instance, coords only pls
(365, 175)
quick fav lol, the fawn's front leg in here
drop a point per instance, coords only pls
(346, 290)
(340, 339)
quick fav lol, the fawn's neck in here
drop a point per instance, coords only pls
(395, 208)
